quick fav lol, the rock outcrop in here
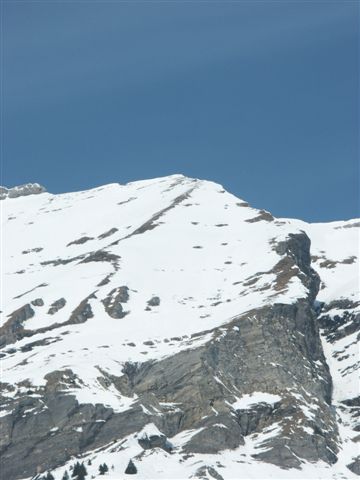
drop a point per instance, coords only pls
(21, 190)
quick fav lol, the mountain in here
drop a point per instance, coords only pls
(169, 324)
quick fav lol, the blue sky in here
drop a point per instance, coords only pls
(260, 96)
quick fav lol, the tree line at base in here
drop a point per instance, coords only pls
(79, 472)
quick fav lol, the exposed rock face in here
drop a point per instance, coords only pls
(14, 330)
(355, 466)
(56, 306)
(81, 313)
(101, 256)
(222, 432)
(155, 441)
(255, 417)
(31, 250)
(11, 330)
(154, 302)
(21, 190)
(108, 233)
(52, 425)
(113, 302)
(80, 241)
(262, 216)
(206, 471)
(262, 345)
(297, 255)
(336, 327)
(339, 323)
(38, 302)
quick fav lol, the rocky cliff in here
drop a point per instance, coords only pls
(168, 323)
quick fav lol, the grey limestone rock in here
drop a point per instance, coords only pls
(220, 433)
(21, 190)
(355, 465)
(155, 441)
(81, 313)
(38, 302)
(114, 301)
(154, 302)
(80, 241)
(56, 306)
(11, 330)
(207, 472)
(250, 419)
(108, 233)
(262, 216)
(101, 256)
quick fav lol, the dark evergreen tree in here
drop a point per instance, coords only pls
(103, 469)
(82, 472)
(49, 476)
(75, 471)
(89, 462)
(66, 476)
(131, 469)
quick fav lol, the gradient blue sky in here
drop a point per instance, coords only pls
(260, 96)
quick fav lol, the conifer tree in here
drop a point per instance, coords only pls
(75, 471)
(131, 469)
(66, 476)
(82, 472)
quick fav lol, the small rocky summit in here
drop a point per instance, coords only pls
(21, 190)
(166, 329)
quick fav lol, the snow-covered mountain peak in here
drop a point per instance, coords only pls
(131, 296)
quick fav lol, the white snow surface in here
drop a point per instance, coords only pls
(248, 400)
(230, 464)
